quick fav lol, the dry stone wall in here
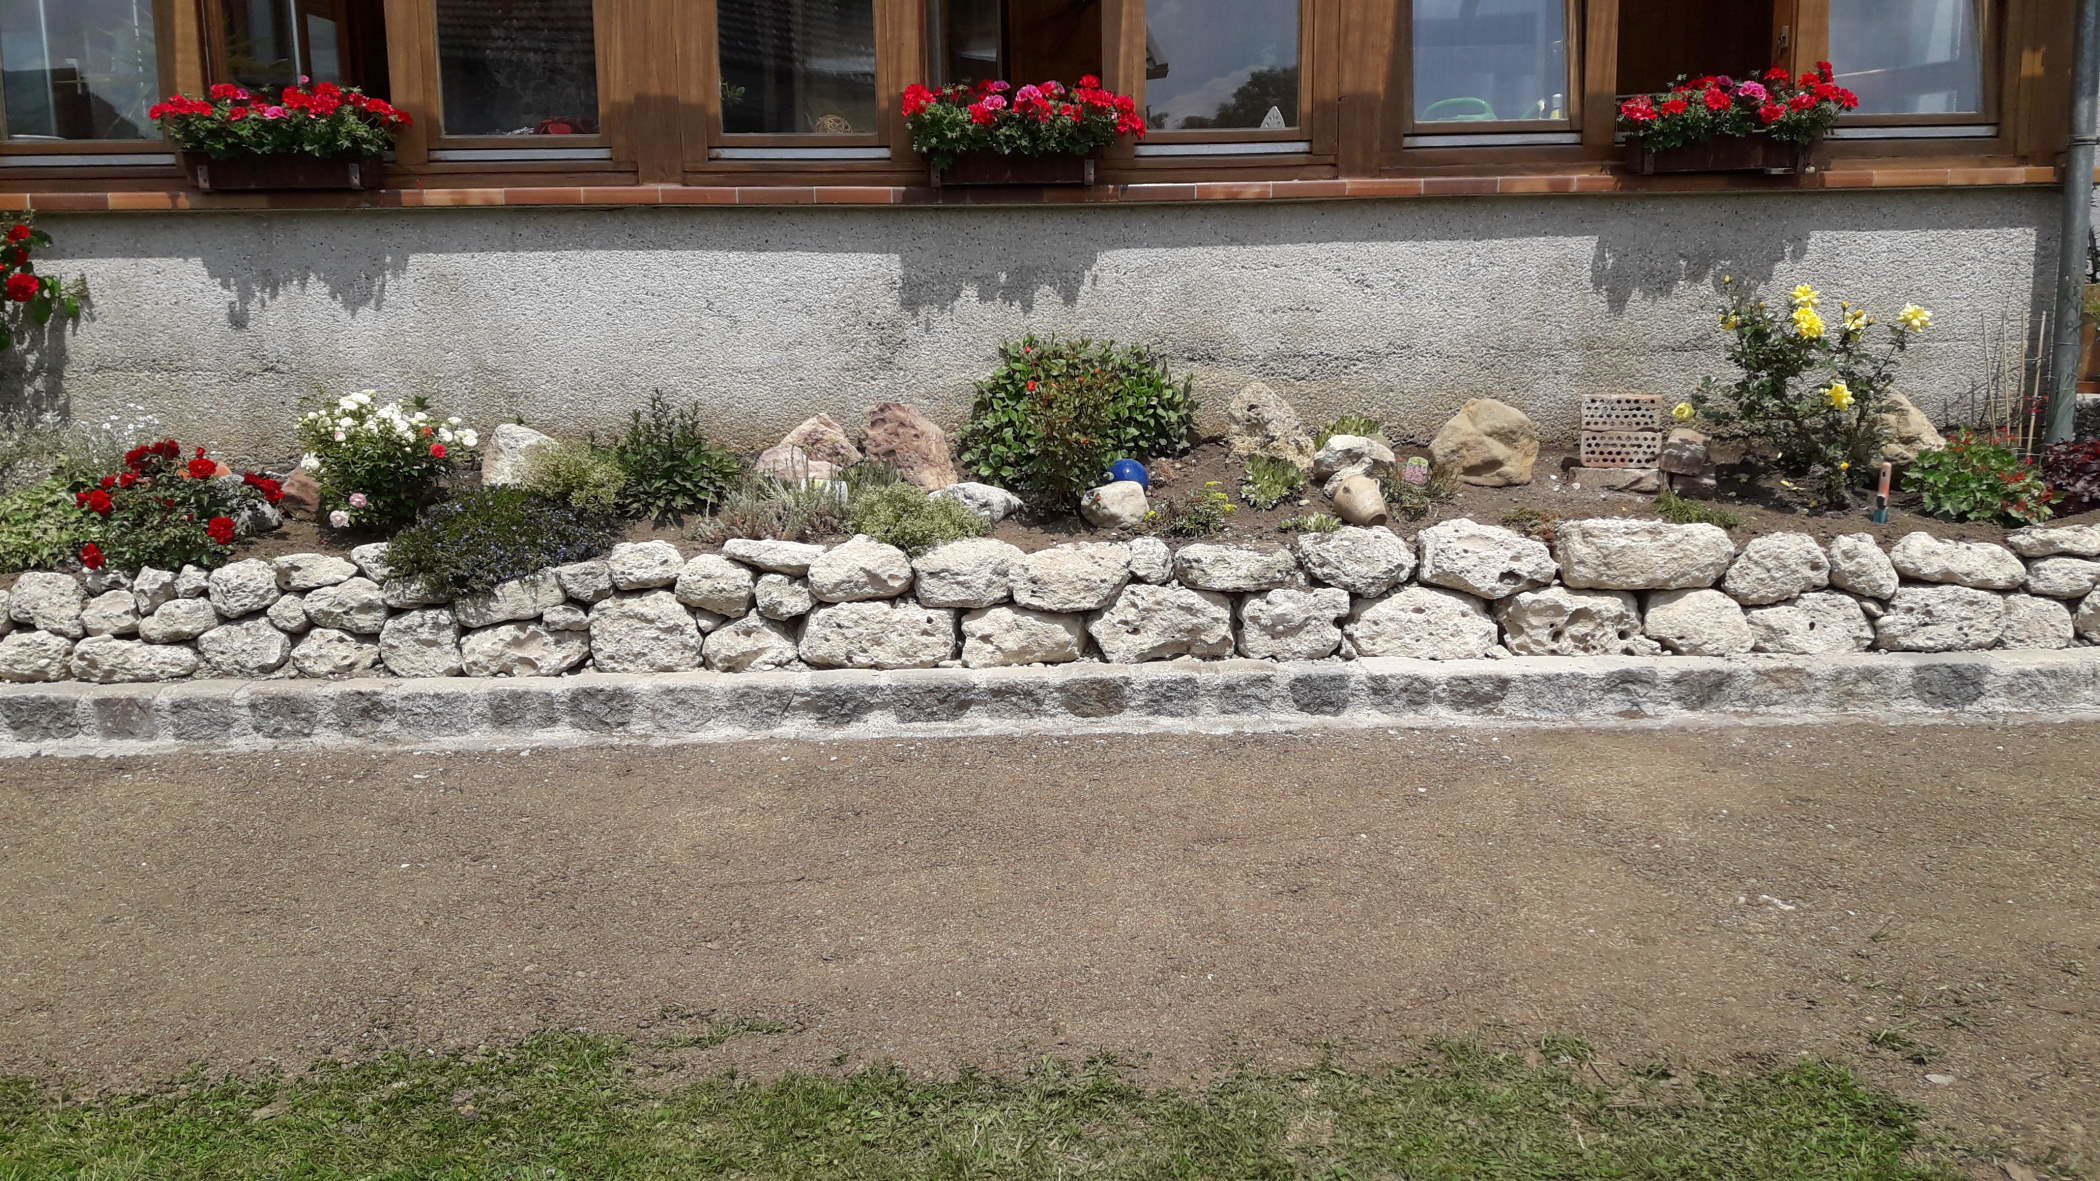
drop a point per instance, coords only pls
(1457, 590)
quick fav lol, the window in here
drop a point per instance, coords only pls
(797, 67)
(267, 44)
(1909, 57)
(78, 69)
(1018, 40)
(1491, 61)
(518, 67)
(968, 40)
(1221, 65)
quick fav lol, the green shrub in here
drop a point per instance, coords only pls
(673, 469)
(904, 516)
(1979, 478)
(41, 526)
(586, 476)
(1679, 511)
(1351, 424)
(1203, 513)
(1057, 412)
(490, 535)
(1270, 481)
(1310, 523)
(379, 465)
(792, 510)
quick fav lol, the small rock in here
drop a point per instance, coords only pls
(715, 584)
(421, 643)
(179, 620)
(750, 644)
(1070, 578)
(566, 617)
(107, 660)
(288, 614)
(1119, 505)
(2032, 622)
(1617, 553)
(1775, 567)
(1364, 562)
(1698, 622)
(1857, 564)
(991, 504)
(972, 573)
(1630, 481)
(504, 459)
(1235, 568)
(301, 572)
(1818, 624)
(1001, 637)
(860, 569)
(879, 634)
(194, 582)
(1939, 1080)
(105, 580)
(2062, 578)
(302, 495)
(585, 582)
(791, 465)
(250, 648)
(1423, 623)
(779, 557)
(414, 592)
(1487, 442)
(646, 631)
(326, 652)
(1978, 564)
(902, 437)
(782, 598)
(1292, 624)
(1353, 455)
(1484, 560)
(1905, 430)
(1557, 621)
(370, 560)
(356, 605)
(1150, 559)
(1941, 619)
(243, 588)
(38, 656)
(112, 613)
(534, 648)
(2087, 621)
(517, 598)
(49, 602)
(1162, 622)
(643, 565)
(1684, 453)
(151, 588)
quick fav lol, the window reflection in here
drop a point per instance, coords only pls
(520, 67)
(78, 69)
(798, 66)
(269, 43)
(1908, 57)
(1221, 64)
(1490, 60)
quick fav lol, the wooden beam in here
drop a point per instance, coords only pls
(411, 62)
(1599, 74)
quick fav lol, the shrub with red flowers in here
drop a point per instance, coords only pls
(323, 119)
(166, 510)
(29, 296)
(1039, 119)
(1777, 104)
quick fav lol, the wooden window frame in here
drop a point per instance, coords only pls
(414, 68)
(169, 51)
(1401, 82)
(1995, 49)
(899, 47)
(1317, 91)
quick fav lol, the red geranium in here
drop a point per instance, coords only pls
(1770, 113)
(220, 529)
(1675, 106)
(91, 556)
(1716, 99)
(23, 287)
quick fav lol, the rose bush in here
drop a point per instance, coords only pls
(1040, 119)
(379, 465)
(323, 120)
(30, 297)
(1797, 110)
(166, 511)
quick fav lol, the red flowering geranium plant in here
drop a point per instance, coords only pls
(323, 120)
(1777, 104)
(29, 296)
(1039, 119)
(168, 511)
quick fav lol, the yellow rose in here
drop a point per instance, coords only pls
(1807, 323)
(1805, 296)
(1682, 412)
(1840, 395)
(1855, 320)
(1914, 318)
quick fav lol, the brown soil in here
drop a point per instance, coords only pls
(1719, 897)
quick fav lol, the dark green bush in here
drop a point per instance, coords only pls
(904, 516)
(469, 544)
(1057, 412)
(673, 469)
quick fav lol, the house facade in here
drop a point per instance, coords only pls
(1381, 206)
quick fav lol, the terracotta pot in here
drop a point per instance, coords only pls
(1360, 501)
(993, 168)
(240, 174)
(1727, 153)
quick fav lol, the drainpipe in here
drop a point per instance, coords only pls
(2077, 226)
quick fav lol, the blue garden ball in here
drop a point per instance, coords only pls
(1132, 470)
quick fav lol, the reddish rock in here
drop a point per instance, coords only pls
(302, 495)
(909, 441)
(825, 441)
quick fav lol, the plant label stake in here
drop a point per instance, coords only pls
(1881, 496)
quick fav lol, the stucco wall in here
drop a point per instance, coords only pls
(224, 323)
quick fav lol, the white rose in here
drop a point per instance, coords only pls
(340, 436)
(452, 421)
(310, 461)
(444, 434)
(469, 439)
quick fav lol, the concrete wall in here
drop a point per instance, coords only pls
(224, 324)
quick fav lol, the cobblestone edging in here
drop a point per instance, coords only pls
(1186, 695)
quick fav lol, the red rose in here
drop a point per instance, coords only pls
(94, 500)
(437, 451)
(18, 234)
(127, 479)
(91, 556)
(220, 529)
(108, 482)
(201, 468)
(23, 287)
(272, 490)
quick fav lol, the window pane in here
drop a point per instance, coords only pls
(518, 67)
(1221, 63)
(1480, 60)
(270, 43)
(78, 69)
(1908, 57)
(798, 66)
(967, 38)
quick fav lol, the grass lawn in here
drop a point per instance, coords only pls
(569, 1106)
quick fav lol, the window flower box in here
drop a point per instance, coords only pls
(247, 174)
(994, 168)
(993, 133)
(1770, 123)
(1749, 153)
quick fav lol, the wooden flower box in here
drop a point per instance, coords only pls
(1727, 153)
(244, 174)
(993, 168)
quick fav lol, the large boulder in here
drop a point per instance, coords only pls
(2049, 541)
(1905, 431)
(1818, 624)
(50, 603)
(644, 565)
(824, 440)
(1069, 578)
(1557, 621)
(39, 656)
(1484, 560)
(1292, 624)
(107, 660)
(533, 648)
(792, 558)
(328, 652)
(1775, 567)
(647, 631)
(421, 643)
(1259, 422)
(251, 648)
(1364, 562)
(1924, 558)
(1235, 568)
(989, 503)
(2032, 622)
(1617, 553)
(858, 570)
(112, 613)
(1857, 564)
(1161, 622)
(902, 437)
(1487, 442)
(1941, 619)
(750, 644)
(242, 588)
(999, 637)
(505, 457)
(1423, 622)
(178, 620)
(2055, 578)
(1698, 622)
(975, 572)
(355, 605)
(878, 633)
(715, 584)
(299, 572)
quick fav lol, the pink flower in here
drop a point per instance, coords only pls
(997, 87)
(1754, 91)
(339, 519)
(995, 103)
(1028, 94)
(273, 112)
(358, 500)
